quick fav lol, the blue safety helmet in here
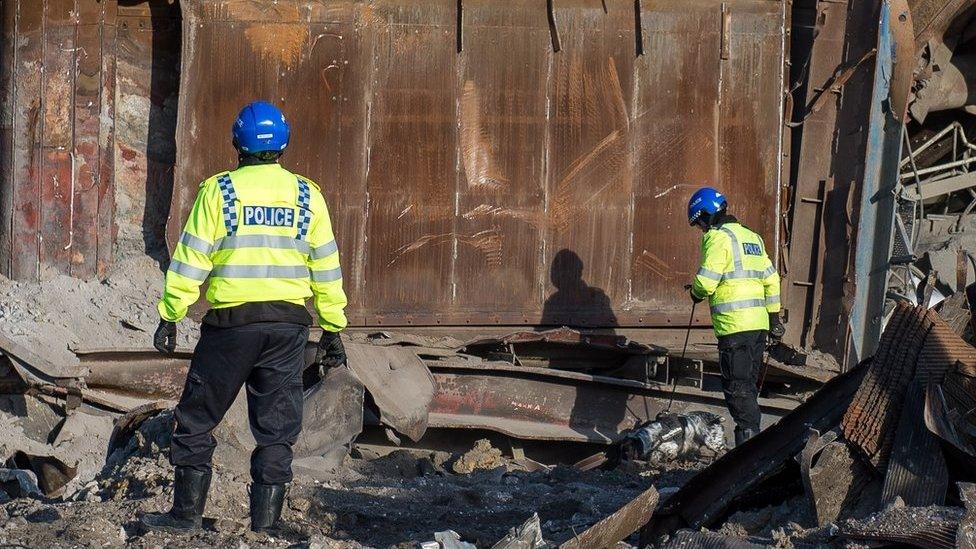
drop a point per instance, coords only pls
(705, 202)
(261, 127)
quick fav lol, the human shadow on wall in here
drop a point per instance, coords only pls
(578, 305)
(164, 85)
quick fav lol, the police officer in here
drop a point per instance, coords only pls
(742, 288)
(262, 237)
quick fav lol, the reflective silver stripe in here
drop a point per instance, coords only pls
(196, 243)
(260, 271)
(279, 242)
(736, 253)
(772, 300)
(325, 250)
(769, 272)
(189, 271)
(327, 275)
(711, 275)
(735, 305)
(759, 275)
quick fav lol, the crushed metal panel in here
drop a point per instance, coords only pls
(917, 345)
(931, 527)
(870, 422)
(399, 383)
(835, 480)
(917, 472)
(616, 527)
(332, 419)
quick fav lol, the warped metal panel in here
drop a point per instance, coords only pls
(501, 148)
(412, 162)
(677, 149)
(590, 180)
(484, 164)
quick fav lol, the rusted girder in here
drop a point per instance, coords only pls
(522, 402)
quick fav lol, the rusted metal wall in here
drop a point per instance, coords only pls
(57, 134)
(88, 96)
(491, 162)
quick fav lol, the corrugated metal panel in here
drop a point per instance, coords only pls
(501, 190)
(676, 151)
(466, 180)
(468, 165)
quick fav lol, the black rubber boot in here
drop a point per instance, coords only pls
(266, 503)
(190, 489)
(742, 435)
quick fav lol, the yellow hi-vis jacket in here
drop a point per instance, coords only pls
(739, 280)
(258, 233)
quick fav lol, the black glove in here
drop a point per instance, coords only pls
(694, 298)
(330, 353)
(776, 328)
(164, 340)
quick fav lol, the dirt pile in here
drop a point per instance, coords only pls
(64, 314)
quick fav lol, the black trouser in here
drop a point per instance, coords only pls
(269, 357)
(740, 360)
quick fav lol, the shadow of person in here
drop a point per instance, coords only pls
(598, 413)
(575, 303)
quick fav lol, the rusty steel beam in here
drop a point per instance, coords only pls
(550, 404)
(137, 372)
(522, 402)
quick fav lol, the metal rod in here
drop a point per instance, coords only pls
(932, 140)
(684, 349)
(933, 169)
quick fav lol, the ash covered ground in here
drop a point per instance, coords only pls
(396, 500)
